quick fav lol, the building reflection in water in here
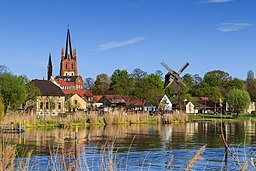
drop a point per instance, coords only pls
(176, 136)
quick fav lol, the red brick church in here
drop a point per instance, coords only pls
(68, 78)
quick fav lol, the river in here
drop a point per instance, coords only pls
(136, 147)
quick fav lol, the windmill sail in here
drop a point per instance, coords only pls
(183, 68)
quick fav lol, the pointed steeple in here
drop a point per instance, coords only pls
(49, 74)
(50, 61)
(68, 50)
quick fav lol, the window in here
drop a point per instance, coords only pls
(41, 105)
(47, 105)
(59, 105)
(66, 66)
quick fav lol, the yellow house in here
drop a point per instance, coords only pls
(75, 102)
(52, 99)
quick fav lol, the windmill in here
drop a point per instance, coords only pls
(173, 75)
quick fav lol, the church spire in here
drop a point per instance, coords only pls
(49, 67)
(68, 50)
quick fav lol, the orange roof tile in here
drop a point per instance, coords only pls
(97, 98)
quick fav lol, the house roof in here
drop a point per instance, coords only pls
(63, 83)
(67, 78)
(204, 98)
(47, 88)
(134, 102)
(81, 93)
(88, 93)
(182, 102)
(115, 99)
(97, 98)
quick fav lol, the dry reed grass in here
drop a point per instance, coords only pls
(195, 158)
(114, 117)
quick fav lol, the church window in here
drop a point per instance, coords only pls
(66, 66)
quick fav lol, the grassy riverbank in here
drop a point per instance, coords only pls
(82, 119)
(218, 117)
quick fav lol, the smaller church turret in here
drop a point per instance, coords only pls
(49, 67)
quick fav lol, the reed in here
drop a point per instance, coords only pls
(7, 162)
(195, 158)
(82, 118)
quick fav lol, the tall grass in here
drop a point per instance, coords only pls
(81, 118)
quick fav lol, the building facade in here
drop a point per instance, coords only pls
(52, 99)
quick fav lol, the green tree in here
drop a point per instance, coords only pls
(101, 85)
(143, 90)
(3, 69)
(89, 83)
(12, 90)
(149, 89)
(235, 84)
(251, 85)
(121, 82)
(32, 92)
(218, 78)
(138, 73)
(188, 90)
(238, 100)
(157, 88)
(1, 108)
(159, 73)
(215, 96)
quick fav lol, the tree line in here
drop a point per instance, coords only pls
(217, 85)
(15, 90)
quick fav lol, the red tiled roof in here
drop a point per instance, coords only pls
(97, 98)
(63, 83)
(134, 102)
(88, 93)
(81, 93)
(204, 98)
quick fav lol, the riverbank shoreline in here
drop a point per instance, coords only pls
(82, 119)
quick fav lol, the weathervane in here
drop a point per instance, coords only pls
(173, 75)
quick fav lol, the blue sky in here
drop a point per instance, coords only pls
(129, 34)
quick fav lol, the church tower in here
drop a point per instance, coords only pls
(68, 64)
(49, 67)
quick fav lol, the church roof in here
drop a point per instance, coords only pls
(67, 78)
(68, 50)
(50, 61)
(47, 88)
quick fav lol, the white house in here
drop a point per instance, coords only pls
(190, 107)
(165, 104)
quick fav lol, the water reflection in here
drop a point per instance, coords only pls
(161, 141)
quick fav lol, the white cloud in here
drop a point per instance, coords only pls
(230, 27)
(113, 44)
(216, 1)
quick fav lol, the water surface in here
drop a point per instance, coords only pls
(136, 147)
